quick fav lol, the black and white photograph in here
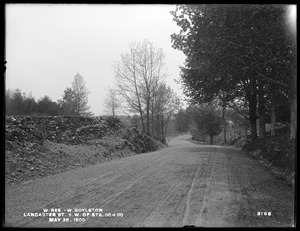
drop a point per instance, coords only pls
(149, 115)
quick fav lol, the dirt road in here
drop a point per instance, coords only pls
(184, 184)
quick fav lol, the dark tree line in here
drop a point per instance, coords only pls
(73, 102)
(19, 103)
(242, 55)
(201, 121)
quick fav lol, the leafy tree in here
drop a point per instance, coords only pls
(212, 124)
(75, 99)
(182, 121)
(8, 101)
(207, 119)
(240, 50)
(30, 105)
(67, 103)
(46, 106)
(15, 102)
(18, 103)
(80, 95)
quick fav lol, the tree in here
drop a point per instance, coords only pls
(18, 103)
(138, 74)
(210, 40)
(9, 102)
(46, 106)
(291, 23)
(112, 102)
(213, 124)
(236, 49)
(30, 106)
(80, 95)
(207, 120)
(163, 106)
(67, 103)
(75, 99)
(15, 102)
(182, 121)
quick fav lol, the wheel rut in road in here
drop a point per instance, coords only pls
(194, 192)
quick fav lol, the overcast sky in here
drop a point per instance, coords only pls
(46, 45)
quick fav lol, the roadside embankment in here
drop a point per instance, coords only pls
(275, 152)
(37, 146)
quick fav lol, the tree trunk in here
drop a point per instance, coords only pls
(113, 112)
(166, 128)
(165, 133)
(252, 113)
(211, 138)
(157, 126)
(273, 114)
(148, 116)
(293, 91)
(261, 111)
(293, 105)
(234, 136)
(224, 122)
(162, 130)
(142, 120)
(152, 119)
(251, 97)
(293, 118)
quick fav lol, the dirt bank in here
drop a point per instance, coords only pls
(38, 146)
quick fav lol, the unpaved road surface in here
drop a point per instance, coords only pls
(183, 184)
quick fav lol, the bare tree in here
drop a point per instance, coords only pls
(128, 82)
(138, 75)
(112, 102)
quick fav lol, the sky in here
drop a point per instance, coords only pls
(47, 44)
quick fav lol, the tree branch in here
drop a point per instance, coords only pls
(238, 111)
(272, 80)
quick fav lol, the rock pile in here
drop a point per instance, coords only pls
(60, 129)
(40, 146)
(71, 130)
(19, 129)
(139, 142)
